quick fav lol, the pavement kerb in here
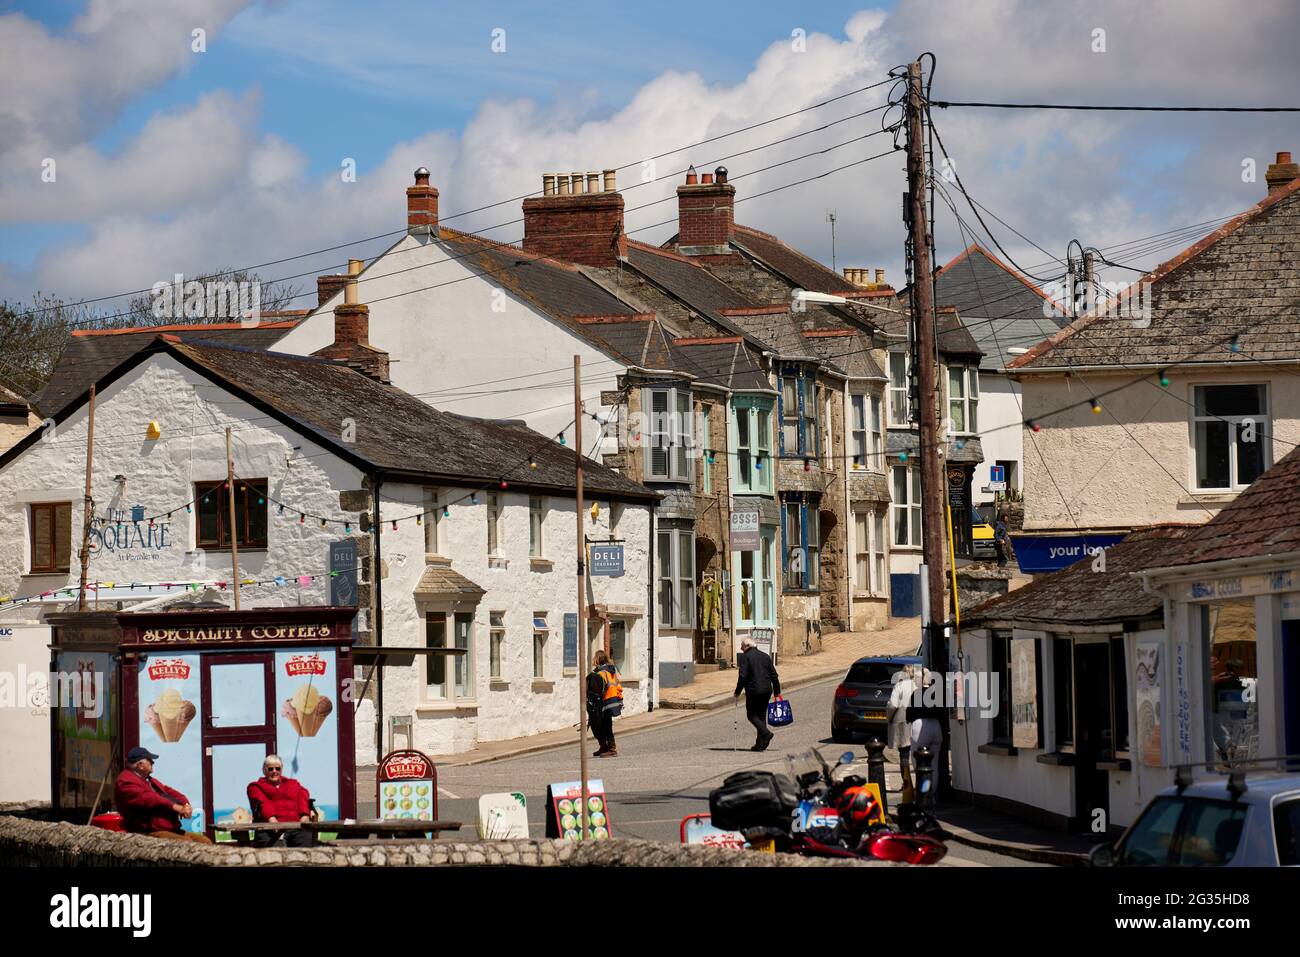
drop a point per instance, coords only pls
(1011, 849)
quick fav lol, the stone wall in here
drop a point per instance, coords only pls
(32, 843)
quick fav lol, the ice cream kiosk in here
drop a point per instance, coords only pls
(211, 692)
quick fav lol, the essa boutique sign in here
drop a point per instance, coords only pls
(129, 536)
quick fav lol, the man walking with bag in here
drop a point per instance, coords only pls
(759, 680)
(604, 703)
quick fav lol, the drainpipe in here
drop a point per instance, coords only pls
(377, 593)
(849, 569)
(650, 610)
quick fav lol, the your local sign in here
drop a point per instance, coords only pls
(1050, 553)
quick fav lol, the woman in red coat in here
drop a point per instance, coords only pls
(277, 799)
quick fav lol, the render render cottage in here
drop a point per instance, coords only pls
(476, 543)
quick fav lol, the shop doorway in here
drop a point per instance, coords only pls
(238, 694)
(1093, 732)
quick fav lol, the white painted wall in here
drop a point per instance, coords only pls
(1001, 432)
(452, 334)
(24, 723)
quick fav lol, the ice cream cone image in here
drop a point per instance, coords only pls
(173, 714)
(310, 709)
(151, 719)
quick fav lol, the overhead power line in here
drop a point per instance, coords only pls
(945, 104)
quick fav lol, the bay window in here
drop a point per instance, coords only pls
(751, 437)
(443, 683)
(869, 552)
(1231, 432)
(669, 431)
(866, 432)
(963, 399)
(906, 505)
(675, 577)
(900, 404)
(800, 534)
(799, 427)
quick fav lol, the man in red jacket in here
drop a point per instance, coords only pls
(147, 805)
(277, 799)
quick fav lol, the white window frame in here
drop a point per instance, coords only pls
(879, 552)
(495, 508)
(706, 440)
(969, 379)
(762, 583)
(448, 690)
(861, 551)
(1263, 434)
(540, 636)
(432, 516)
(628, 624)
(912, 507)
(859, 429)
(900, 409)
(536, 526)
(668, 542)
(496, 645)
(877, 425)
(674, 431)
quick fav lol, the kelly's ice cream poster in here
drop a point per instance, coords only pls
(307, 723)
(170, 702)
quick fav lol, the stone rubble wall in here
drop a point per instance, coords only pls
(25, 842)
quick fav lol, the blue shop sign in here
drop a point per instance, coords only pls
(1050, 553)
(606, 560)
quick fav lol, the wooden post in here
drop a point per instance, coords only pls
(932, 483)
(582, 594)
(89, 512)
(234, 529)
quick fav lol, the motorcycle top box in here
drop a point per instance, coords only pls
(753, 799)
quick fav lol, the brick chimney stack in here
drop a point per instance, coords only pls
(351, 343)
(1281, 173)
(578, 219)
(422, 206)
(327, 286)
(705, 213)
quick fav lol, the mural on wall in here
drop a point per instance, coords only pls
(1024, 692)
(129, 536)
(1147, 695)
(307, 730)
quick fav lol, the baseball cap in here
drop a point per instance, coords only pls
(136, 754)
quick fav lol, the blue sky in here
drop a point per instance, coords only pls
(174, 161)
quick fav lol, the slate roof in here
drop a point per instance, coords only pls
(1000, 308)
(804, 271)
(1079, 596)
(564, 292)
(442, 581)
(685, 279)
(780, 332)
(1240, 279)
(725, 361)
(91, 353)
(954, 338)
(396, 433)
(1262, 520)
(848, 351)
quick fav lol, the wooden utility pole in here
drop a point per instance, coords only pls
(582, 594)
(89, 512)
(234, 529)
(932, 481)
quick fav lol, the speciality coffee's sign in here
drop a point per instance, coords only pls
(236, 633)
(129, 536)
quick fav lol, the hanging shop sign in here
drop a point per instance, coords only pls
(564, 807)
(343, 572)
(744, 528)
(406, 787)
(606, 560)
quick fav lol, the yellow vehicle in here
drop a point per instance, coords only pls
(982, 534)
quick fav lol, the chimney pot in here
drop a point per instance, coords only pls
(593, 181)
(880, 277)
(577, 182)
(422, 206)
(548, 184)
(561, 184)
(611, 181)
(1281, 173)
(720, 174)
(692, 177)
(327, 286)
(350, 283)
(706, 179)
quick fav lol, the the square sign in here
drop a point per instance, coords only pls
(606, 560)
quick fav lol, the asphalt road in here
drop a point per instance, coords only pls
(661, 774)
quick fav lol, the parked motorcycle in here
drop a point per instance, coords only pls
(809, 812)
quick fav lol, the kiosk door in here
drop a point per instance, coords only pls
(238, 729)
